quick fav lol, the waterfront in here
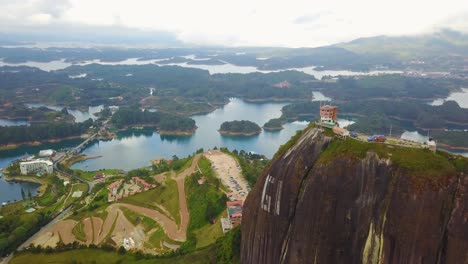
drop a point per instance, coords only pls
(11, 191)
(134, 149)
(460, 97)
(80, 116)
(7, 122)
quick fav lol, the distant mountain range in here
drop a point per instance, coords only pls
(446, 42)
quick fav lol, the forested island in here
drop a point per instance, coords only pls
(275, 124)
(167, 124)
(42, 132)
(240, 128)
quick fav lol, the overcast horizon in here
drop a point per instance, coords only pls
(226, 23)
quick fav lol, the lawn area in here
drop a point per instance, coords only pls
(203, 201)
(54, 191)
(209, 233)
(96, 208)
(182, 164)
(136, 219)
(88, 175)
(165, 195)
(78, 232)
(77, 187)
(207, 255)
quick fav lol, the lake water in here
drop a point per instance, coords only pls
(6, 122)
(79, 115)
(135, 149)
(414, 136)
(213, 69)
(460, 97)
(11, 191)
(318, 96)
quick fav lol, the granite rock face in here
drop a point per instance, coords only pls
(350, 210)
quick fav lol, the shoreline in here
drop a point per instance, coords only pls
(38, 143)
(76, 159)
(176, 133)
(40, 189)
(229, 133)
(159, 131)
(275, 100)
(273, 129)
(452, 147)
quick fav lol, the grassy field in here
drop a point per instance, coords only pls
(77, 187)
(88, 175)
(83, 256)
(209, 233)
(96, 208)
(78, 232)
(420, 162)
(205, 203)
(165, 195)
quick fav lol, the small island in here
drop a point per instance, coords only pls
(240, 128)
(274, 124)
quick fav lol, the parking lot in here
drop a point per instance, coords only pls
(230, 174)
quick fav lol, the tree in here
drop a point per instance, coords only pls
(210, 212)
(29, 194)
(22, 193)
(122, 250)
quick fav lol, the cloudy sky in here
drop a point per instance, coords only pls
(292, 23)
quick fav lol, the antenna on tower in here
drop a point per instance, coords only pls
(390, 130)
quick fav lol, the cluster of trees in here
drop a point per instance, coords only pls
(243, 126)
(16, 227)
(35, 115)
(127, 116)
(38, 132)
(392, 86)
(274, 124)
(205, 201)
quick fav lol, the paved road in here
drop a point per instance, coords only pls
(28, 242)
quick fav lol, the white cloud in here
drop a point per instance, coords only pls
(246, 22)
(41, 19)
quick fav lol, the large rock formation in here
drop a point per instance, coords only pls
(311, 206)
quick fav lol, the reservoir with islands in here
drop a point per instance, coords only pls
(136, 148)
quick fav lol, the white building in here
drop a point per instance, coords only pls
(36, 166)
(46, 153)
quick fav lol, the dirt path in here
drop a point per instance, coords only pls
(88, 230)
(64, 229)
(97, 225)
(183, 209)
(169, 226)
(173, 231)
(96, 229)
(107, 225)
(124, 228)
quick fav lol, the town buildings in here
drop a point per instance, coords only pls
(234, 210)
